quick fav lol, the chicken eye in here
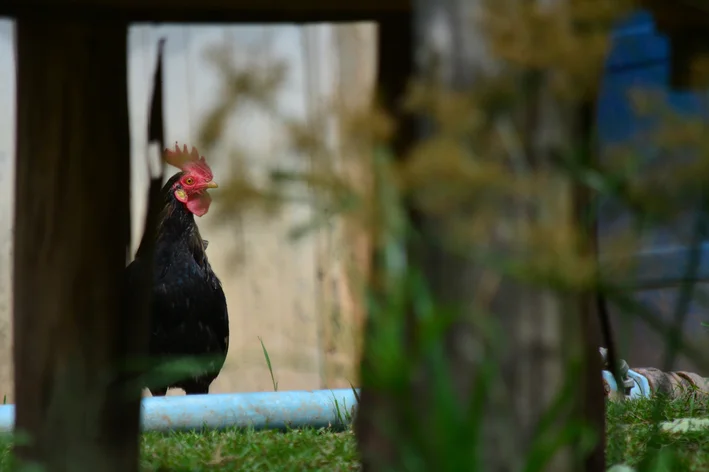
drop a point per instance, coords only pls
(189, 181)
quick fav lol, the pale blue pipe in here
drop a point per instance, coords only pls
(260, 410)
(7, 418)
(640, 388)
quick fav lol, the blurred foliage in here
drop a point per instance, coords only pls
(476, 155)
(477, 162)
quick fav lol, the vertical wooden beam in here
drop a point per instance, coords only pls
(395, 62)
(71, 236)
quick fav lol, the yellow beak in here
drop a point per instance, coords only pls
(211, 185)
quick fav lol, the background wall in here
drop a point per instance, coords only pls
(296, 296)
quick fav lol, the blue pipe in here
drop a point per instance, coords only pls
(260, 410)
(267, 410)
(7, 418)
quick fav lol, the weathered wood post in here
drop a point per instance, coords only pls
(544, 333)
(71, 237)
(394, 68)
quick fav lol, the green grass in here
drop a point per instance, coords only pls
(251, 451)
(632, 440)
(298, 450)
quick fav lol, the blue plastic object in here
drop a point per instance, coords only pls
(640, 388)
(639, 61)
(7, 418)
(260, 410)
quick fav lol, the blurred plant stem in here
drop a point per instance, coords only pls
(497, 368)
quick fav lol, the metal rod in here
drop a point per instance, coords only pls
(260, 410)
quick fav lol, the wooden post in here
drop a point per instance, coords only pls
(378, 447)
(71, 238)
(543, 331)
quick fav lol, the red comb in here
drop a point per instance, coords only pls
(184, 160)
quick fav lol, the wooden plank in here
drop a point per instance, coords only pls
(71, 236)
(672, 15)
(346, 76)
(7, 207)
(212, 11)
(356, 50)
(250, 251)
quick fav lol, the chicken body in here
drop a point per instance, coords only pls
(188, 308)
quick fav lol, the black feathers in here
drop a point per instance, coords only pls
(188, 307)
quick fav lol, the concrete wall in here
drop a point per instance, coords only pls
(281, 291)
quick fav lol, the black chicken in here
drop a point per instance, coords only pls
(188, 309)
